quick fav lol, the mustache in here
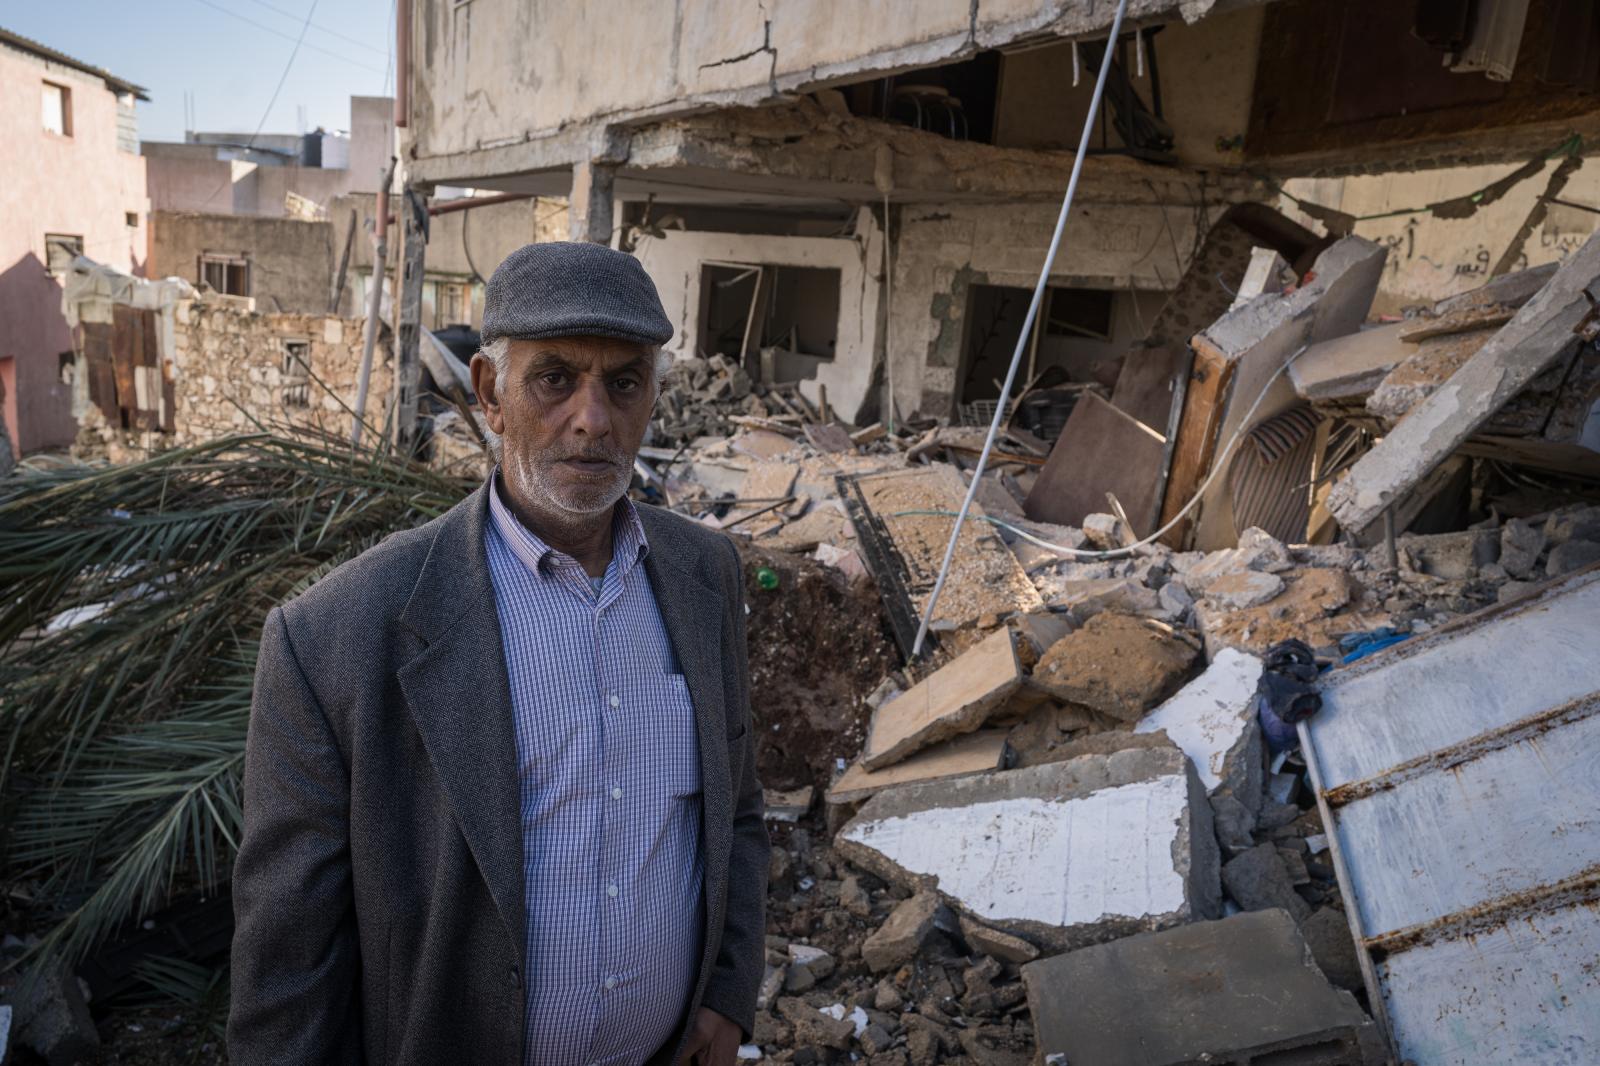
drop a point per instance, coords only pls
(615, 456)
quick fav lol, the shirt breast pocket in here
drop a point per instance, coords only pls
(674, 736)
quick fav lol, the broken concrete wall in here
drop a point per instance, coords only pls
(941, 251)
(550, 101)
(1064, 854)
(676, 261)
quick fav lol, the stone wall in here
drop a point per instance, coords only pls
(231, 368)
(231, 364)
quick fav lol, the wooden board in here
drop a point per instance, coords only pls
(1205, 401)
(1100, 450)
(974, 753)
(957, 698)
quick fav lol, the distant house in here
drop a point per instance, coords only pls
(72, 183)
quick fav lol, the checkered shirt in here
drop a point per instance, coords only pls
(609, 770)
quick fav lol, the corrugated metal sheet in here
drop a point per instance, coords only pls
(1460, 775)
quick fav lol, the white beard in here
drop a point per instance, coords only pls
(545, 493)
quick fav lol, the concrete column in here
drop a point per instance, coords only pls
(589, 207)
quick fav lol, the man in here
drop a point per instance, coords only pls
(500, 792)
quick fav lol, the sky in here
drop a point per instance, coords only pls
(229, 54)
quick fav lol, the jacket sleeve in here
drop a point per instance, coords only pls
(295, 960)
(741, 961)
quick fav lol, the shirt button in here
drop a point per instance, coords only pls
(616, 793)
(611, 890)
(616, 701)
(611, 982)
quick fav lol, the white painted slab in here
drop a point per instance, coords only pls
(1209, 715)
(1062, 862)
(1435, 691)
(1524, 816)
(1524, 993)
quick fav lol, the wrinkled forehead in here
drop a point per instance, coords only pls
(596, 355)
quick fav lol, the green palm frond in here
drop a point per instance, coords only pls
(131, 600)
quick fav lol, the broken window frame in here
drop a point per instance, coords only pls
(235, 270)
(60, 249)
(762, 297)
(296, 371)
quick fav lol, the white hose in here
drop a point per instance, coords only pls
(1027, 324)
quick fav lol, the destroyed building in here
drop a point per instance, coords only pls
(1246, 718)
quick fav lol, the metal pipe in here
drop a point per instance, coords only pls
(380, 264)
(467, 203)
(402, 63)
(1027, 324)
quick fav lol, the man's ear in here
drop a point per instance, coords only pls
(483, 383)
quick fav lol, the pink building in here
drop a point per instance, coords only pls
(71, 182)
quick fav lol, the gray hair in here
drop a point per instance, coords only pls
(498, 352)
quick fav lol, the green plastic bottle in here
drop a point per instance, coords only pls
(767, 578)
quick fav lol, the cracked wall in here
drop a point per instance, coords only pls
(939, 253)
(494, 74)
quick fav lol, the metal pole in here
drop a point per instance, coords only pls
(380, 263)
(344, 265)
(1027, 325)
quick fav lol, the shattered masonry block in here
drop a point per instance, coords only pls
(897, 940)
(957, 698)
(1213, 720)
(1062, 854)
(1244, 989)
(1117, 665)
(1258, 880)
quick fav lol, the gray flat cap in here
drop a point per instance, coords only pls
(570, 289)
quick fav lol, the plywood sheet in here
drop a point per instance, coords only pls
(1100, 450)
(1147, 384)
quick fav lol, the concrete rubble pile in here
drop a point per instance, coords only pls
(1073, 817)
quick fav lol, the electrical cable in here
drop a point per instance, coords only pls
(1217, 467)
(227, 181)
(1027, 324)
(358, 42)
(279, 33)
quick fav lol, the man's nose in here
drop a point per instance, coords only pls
(591, 414)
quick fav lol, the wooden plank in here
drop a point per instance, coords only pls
(126, 336)
(974, 753)
(1101, 450)
(956, 698)
(1204, 401)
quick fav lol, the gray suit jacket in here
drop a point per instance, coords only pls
(378, 891)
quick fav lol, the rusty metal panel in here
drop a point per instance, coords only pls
(1460, 776)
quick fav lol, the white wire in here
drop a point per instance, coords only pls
(1027, 324)
(1217, 467)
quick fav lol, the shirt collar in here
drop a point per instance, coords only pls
(628, 544)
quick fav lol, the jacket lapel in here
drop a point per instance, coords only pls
(459, 695)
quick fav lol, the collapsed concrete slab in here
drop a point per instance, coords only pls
(963, 756)
(1539, 334)
(956, 698)
(1241, 990)
(1063, 854)
(1213, 720)
(1116, 664)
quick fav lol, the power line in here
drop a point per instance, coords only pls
(358, 42)
(270, 103)
(279, 33)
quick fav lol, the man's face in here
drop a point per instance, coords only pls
(571, 413)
